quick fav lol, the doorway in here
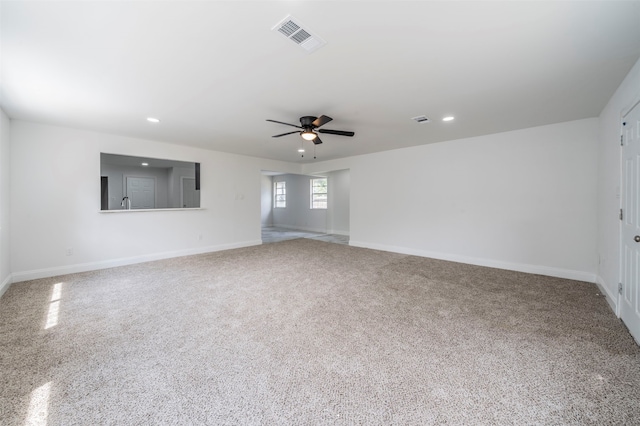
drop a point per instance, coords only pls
(141, 192)
(296, 216)
(189, 196)
(104, 192)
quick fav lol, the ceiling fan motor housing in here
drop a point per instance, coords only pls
(307, 121)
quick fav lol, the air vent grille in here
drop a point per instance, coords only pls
(300, 36)
(295, 31)
(289, 28)
(421, 119)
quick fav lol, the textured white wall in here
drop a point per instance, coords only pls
(609, 182)
(339, 187)
(522, 200)
(5, 223)
(55, 203)
(266, 185)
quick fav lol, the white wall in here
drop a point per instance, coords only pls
(339, 188)
(55, 203)
(298, 214)
(608, 242)
(522, 200)
(266, 197)
(5, 190)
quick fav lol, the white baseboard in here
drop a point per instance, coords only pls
(338, 232)
(520, 267)
(611, 298)
(6, 284)
(112, 263)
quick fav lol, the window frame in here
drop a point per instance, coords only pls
(313, 193)
(283, 194)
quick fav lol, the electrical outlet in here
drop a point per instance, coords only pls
(69, 251)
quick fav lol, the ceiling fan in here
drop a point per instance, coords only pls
(310, 128)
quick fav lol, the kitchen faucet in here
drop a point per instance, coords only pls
(126, 203)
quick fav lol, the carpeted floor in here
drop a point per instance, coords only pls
(306, 332)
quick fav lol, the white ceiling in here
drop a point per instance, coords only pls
(213, 71)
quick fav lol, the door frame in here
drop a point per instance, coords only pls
(182, 178)
(621, 265)
(155, 186)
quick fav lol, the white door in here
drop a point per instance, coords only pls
(190, 197)
(630, 230)
(141, 192)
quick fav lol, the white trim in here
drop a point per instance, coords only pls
(618, 311)
(620, 203)
(275, 194)
(611, 299)
(112, 263)
(6, 284)
(338, 232)
(628, 109)
(311, 193)
(520, 267)
(172, 209)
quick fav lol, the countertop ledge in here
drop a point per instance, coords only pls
(150, 210)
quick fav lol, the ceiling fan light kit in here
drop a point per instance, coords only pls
(308, 136)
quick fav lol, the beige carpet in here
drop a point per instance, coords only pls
(307, 332)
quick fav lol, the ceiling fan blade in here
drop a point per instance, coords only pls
(321, 121)
(317, 141)
(285, 134)
(286, 124)
(336, 132)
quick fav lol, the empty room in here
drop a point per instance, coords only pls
(319, 212)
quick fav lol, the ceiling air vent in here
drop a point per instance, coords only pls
(294, 31)
(421, 119)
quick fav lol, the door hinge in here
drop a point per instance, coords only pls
(621, 215)
(621, 140)
(620, 288)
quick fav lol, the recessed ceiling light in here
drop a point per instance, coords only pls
(448, 118)
(152, 120)
(301, 150)
(145, 164)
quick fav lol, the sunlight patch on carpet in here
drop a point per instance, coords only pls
(54, 306)
(39, 406)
